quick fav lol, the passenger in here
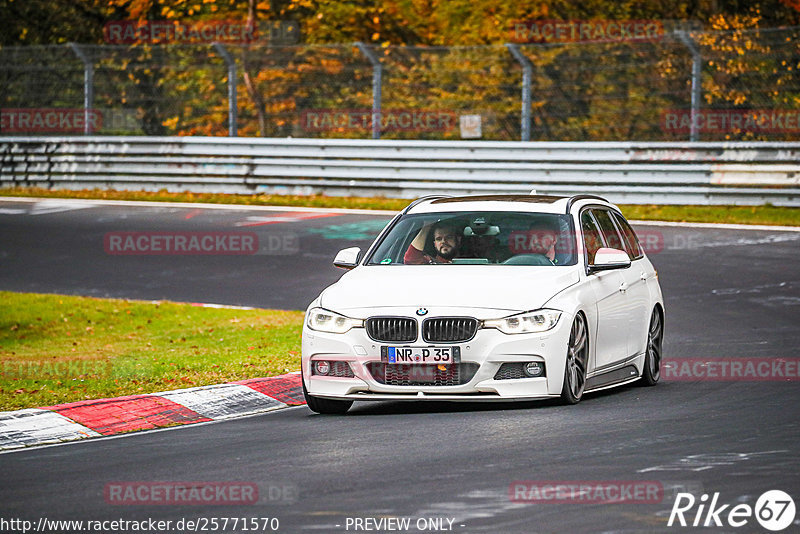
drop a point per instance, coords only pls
(545, 241)
(446, 244)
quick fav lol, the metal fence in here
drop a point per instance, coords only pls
(664, 173)
(701, 86)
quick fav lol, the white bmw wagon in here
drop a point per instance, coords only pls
(487, 298)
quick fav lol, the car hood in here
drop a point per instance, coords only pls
(500, 287)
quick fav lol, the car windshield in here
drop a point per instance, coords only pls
(478, 238)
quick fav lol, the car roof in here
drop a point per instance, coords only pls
(534, 203)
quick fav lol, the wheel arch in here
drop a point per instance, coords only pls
(659, 308)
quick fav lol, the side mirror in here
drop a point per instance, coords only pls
(347, 258)
(606, 259)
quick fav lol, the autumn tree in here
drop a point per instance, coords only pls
(436, 54)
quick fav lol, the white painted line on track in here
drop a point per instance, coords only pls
(719, 226)
(45, 206)
(209, 305)
(197, 205)
(239, 207)
(196, 304)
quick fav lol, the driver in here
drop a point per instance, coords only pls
(446, 243)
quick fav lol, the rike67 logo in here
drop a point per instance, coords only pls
(774, 510)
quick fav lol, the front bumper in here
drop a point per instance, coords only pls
(489, 349)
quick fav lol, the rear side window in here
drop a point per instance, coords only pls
(610, 233)
(592, 240)
(633, 249)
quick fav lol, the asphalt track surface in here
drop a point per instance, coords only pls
(729, 294)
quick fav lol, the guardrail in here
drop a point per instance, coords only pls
(625, 172)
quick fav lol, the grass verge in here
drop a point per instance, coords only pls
(769, 215)
(56, 349)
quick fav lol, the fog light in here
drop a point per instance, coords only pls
(322, 367)
(534, 369)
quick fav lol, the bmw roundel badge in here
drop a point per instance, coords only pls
(422, 311)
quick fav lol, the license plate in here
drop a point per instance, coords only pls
(421, 355)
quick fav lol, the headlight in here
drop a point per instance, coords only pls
(525, 323)
(328, 321)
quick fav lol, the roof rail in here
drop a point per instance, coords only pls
(575, 198)
(423, 199)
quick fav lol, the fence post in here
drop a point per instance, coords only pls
(377, 79)
(527, 75)
(232, 105)
(88, 87)
(696, 87)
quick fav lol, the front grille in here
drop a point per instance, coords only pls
(341, 370)
(392, 329)
(449, 329)
(512, 370)
(509, 371)
(422, 375)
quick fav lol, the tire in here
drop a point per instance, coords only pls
(577, 358)
(325, 406)
(652, 359)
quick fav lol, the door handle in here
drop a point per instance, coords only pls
(623, 287)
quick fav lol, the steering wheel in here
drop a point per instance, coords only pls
(528, 259)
